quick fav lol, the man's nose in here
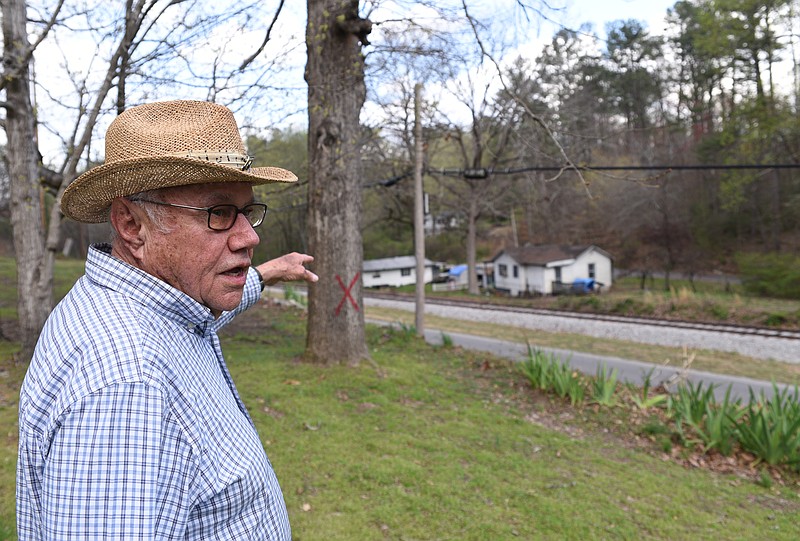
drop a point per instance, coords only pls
(243, 235)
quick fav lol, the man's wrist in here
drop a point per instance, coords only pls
(261, 281)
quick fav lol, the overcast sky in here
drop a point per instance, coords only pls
(600, 12)
(569, 13)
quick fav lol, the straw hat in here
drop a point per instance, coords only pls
(160, 145)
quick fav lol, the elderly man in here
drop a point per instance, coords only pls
(130, 425)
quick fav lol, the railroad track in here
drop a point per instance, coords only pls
(765, 332)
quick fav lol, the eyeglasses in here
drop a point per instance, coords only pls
(222, 217)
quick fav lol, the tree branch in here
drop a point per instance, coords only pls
(519, 101)
(50, 179)
(249, 60)
(25, 61)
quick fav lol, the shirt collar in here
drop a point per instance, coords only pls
(107, 271)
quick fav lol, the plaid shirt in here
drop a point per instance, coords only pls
(130, 426)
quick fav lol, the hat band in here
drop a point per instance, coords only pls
(227, 158)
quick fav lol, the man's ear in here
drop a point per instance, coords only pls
(127, 221)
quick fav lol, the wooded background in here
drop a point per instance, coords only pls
(519, 133)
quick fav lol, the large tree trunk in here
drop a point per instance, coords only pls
(34, 278)
(336, 93)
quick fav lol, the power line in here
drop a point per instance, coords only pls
(486, 172)
(481, 173)
(391, 181)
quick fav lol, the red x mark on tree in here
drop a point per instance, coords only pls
(347, 294)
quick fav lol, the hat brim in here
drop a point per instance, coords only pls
(88, 198)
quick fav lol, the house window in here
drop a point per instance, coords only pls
(591, 270)
(376, 275)
(502, 270)
(405, 272)
(516, 271)
(558, 274)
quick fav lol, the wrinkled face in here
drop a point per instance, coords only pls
(209, 266)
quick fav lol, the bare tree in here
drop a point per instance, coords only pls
(139, 53)
(336, 93)
(34, 282)
(483, 147)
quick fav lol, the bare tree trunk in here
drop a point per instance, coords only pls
(336, 93)
(34, 285)
(472, 234)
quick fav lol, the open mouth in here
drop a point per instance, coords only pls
(236, 272)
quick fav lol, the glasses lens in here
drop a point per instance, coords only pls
(222, 217)
(255, 213)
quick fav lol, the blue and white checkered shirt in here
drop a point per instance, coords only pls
(130, 426)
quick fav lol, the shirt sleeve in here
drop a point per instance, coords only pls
(118, 468)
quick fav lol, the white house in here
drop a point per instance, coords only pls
(434, 224)
(536, 268)
(394, 271)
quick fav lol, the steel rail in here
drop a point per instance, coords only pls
(764, 332)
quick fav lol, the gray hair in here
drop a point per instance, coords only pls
(156, 213)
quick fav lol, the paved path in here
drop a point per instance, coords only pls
(628, 370)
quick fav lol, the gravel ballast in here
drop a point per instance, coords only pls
(780, 349)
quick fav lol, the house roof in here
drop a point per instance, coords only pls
(542, 254)
(392, 263)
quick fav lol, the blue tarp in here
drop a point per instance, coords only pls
(583, 285)
(457, 270)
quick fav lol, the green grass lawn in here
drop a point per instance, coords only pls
(440, 443)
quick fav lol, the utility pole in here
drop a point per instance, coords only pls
(514, 227)
(419, 224)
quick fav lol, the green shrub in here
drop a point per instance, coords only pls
(770, 275)
(688, 407)
(624, 306)
(290, 294)
(567, 383)
(717, 429)
(631, 306)
(643, 399)
(447, 340)
(699, 418)
(538, 369)
(546, 373)
(770, 428)
(719, 312)
(406, 330)
(604, 386)
(590, 301)
(775, 320)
